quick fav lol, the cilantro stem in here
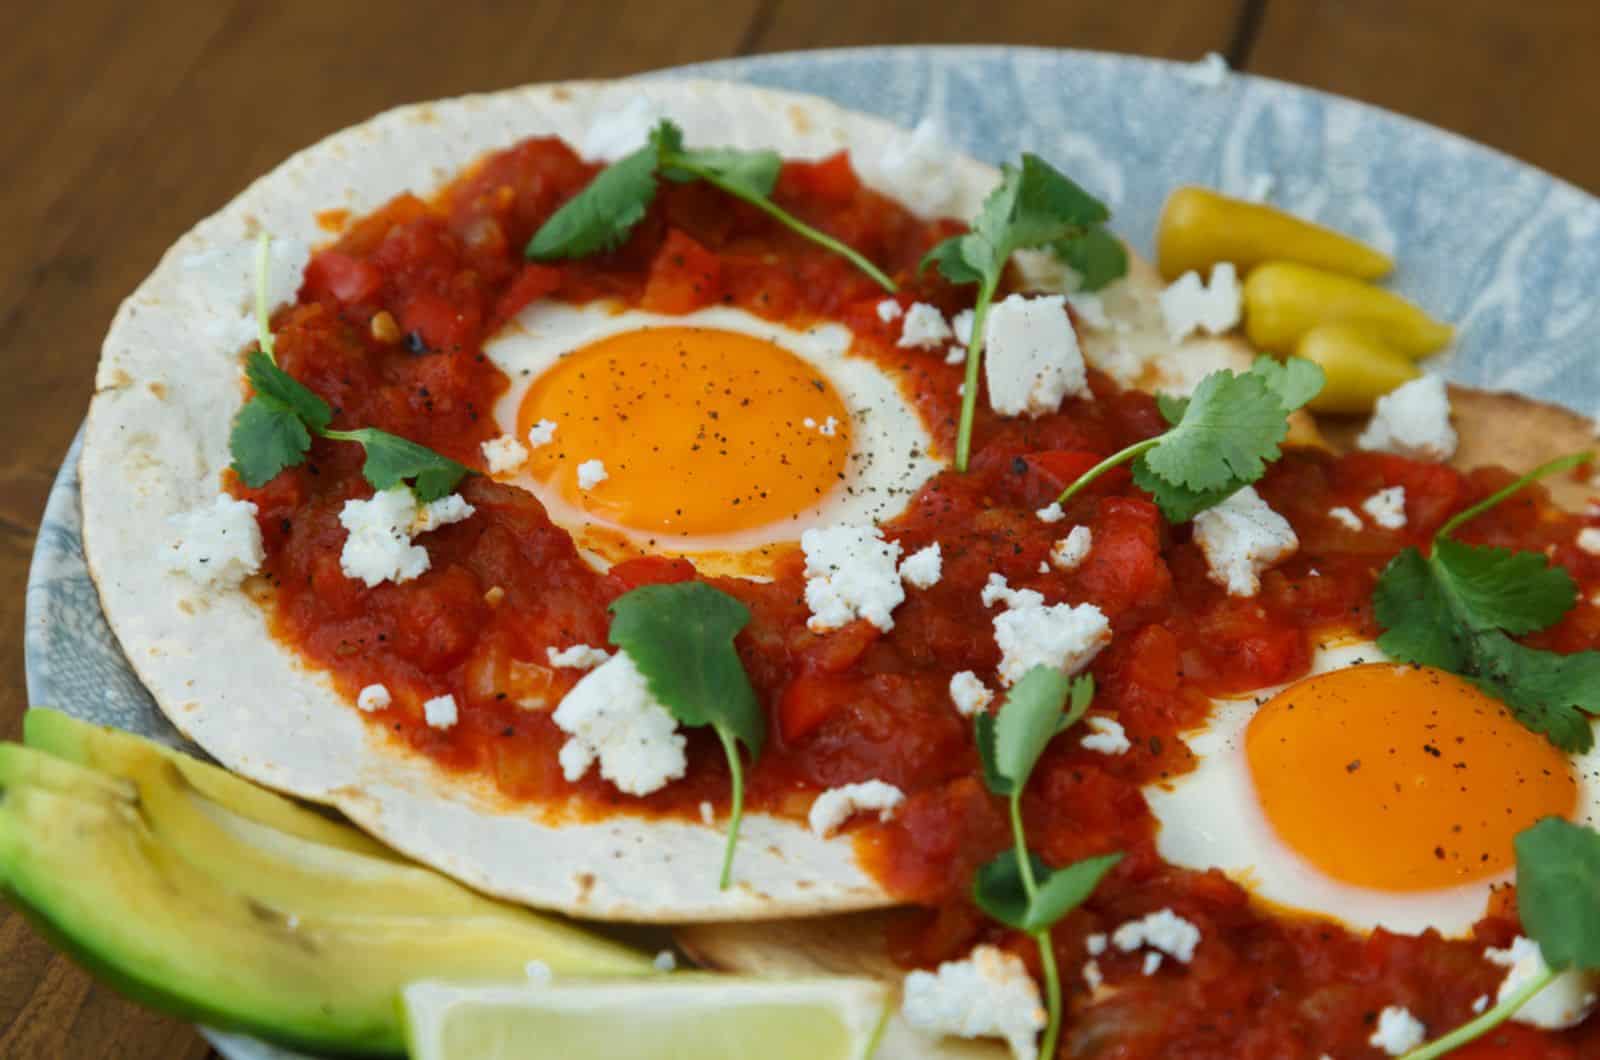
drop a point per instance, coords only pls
(1052, 989)
(1484, 1023)
(969, 389)
(1555, 466)
(263, 328)
(737, 771)
(788, 220)
(1029, 886)
(1133, 452)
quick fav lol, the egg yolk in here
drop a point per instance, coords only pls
(699, 430)
(1401, 778)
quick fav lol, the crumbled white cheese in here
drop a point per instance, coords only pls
(923, 568)
(708, 813)
(988, 995)
(1211, 71)
(1106, 735)
(1162, 930)
(219, 545)
(999, 591)
(829, 428)
(577, 657)
(591, 473)
(1070, 552)
(1188, 305)
(1412, 420)
(440, 712)
(1480, 1003)
(889, 310)
(1589, 540)
(837, 805)
(1092, 975)
(1152, 963)
(1241, 537)
(969, 693)
(1345, 518)
(611, 716)
(955, 355)
(1095, 944)
(1051, 513)
(961, 325)
(1044, 567)
(1031, 356)
(504, 453)
(616, 132)
(541, 434)
(1387, 507)
(924, 327)
(379, 547)
(665, 961)
(1566, 1002)
(1090, 309)
(1061, 637)
(1398, 1031)
(850, 574)
(921, 166)
(373, 697)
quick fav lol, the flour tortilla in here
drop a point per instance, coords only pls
(169, 383)
(1495, 428)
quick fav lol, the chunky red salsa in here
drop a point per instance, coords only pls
(389, 328)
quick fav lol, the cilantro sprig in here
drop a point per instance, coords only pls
(680, 636)
(1558, 881)
(1459, 607)
(1221, 437)
(1017, 888)
(601, 216)
(1034, 205)
(273, 430)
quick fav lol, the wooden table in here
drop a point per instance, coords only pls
(125, 123)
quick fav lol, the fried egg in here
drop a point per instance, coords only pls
(1371, 792)
(714, 434)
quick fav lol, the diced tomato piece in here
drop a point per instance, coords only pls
(830, 179)
(683, 277)
(651, 570)
(532, 283)
(808, 701)
(331, 274)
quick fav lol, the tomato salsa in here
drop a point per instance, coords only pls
(389, 327)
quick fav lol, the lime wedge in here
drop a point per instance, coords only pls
(677, 1017)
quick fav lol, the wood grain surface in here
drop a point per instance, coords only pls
(127, 122)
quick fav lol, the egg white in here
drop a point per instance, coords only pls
(891, 456)
(1212, 818)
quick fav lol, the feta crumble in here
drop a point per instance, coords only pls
(379, 546)
(987, 995)
(577, 657)
(1480, 1003)
(1095, 944)
(1565, 1002)
(1241, 537)
(1031, 356)
(969, 694)
(1210, 71)
(440, 712)
(1050, 513)
(835, 806)
(1412, 420)
(1070, 552)
(851, 573)
(1162, 930)
(1398, 1031)
(923, 568)
(218, 546)
(610, 716)
(1106, 735)
(1152, 963)
(1345, 518)
(1092, 976)
(955, 355)
(889, 310)
(999, 591)
(541, 434)
(1589, 540)
(708, 813)
(1188, 305)
(961, 325)
(591, 473)
(504, 454)
(1061, 637)
(1090, 309)
(1387, 507)
(373, 697)
(924, 327)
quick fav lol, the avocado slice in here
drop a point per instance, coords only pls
(192, 908)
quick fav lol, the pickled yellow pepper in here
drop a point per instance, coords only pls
(1200, 228)
(1284, 300)
(1357, 367)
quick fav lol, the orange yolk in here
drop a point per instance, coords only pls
(701, 431)
(1401, 778)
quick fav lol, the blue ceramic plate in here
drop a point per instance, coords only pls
(1502, 250)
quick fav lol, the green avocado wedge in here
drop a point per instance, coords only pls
(190, 902)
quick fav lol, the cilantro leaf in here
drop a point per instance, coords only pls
(983, 735)
(601, 216)
(1411, 606)
(267, 437)
(1558, 892)
(1547, 691)
(273, 382)
(392, 460)
(1179, 504)
(1027, 720)
(1229, 430)
(998, 889)
(1294, 380)
(1097, 256)
(680, 636)
(950, 257)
